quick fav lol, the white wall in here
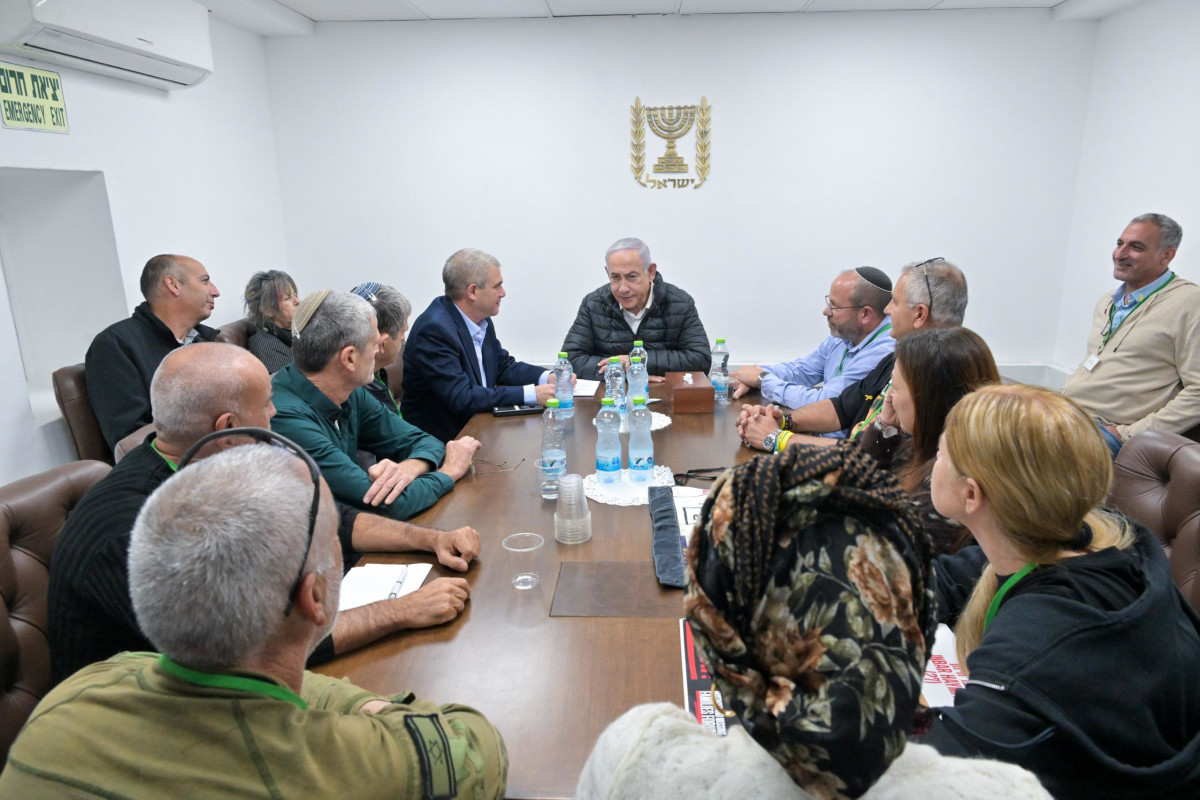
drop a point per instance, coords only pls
(191, 172)
(1139, 153)
(838, 140)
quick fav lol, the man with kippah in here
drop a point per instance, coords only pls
(858, 339)
(323, 405)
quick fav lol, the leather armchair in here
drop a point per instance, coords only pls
(132, 442)
(32, 512)
(236, 332)
(1156, 480)
(70, 390)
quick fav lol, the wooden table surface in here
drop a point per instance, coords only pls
(550, 684)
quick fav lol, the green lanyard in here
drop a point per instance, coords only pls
(235, 682)
(875, 336)
(1109, 330)
(1008, 584)
(174, 467)
(872, 413)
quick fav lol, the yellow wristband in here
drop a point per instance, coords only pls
(782, 441)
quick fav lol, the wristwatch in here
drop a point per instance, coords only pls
(769, 441)
(762, 375)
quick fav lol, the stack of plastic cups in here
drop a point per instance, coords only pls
(572, 518)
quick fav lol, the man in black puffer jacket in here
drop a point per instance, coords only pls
(637, 304)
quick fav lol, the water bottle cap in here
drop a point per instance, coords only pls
(614, 360)
(552, 402)
(562, 355)
(607, 401)
(639, 401)
(637, 342)
(720, 341)
(635, 360)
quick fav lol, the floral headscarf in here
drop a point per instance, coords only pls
(811, 592)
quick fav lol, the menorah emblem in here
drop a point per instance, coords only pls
(670, 123)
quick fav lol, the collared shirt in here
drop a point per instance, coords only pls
(190, 337)
(635, 320)
(1124, 303)
(834, 362)
(478, 332)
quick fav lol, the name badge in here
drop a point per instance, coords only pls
(1091, 362)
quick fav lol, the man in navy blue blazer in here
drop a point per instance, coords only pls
(454, 365)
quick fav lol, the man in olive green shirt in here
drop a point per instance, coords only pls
(228, 710)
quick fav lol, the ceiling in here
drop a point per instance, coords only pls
(297, 17)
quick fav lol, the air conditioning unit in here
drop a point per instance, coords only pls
(162, 43)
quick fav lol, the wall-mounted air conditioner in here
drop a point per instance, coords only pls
(163, 43)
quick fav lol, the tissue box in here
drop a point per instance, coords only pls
(694, 398)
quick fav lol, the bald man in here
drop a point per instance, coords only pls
(121, 361)
(197, 390)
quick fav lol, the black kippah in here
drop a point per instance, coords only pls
(876, 277)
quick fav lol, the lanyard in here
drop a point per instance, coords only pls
(1008, 584)
(1109, 330)
(876, 407)
(174, 467)
(867, 344)
(236, 682)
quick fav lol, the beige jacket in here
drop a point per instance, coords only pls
(1148, 375)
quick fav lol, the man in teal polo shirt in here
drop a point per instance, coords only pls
(323, 406)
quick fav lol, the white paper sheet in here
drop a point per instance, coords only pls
(371, 583)
(585, 388)
(943, 675)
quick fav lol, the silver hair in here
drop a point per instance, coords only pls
(948, 305)
(264, 292)
(392, 310)
(341, 320)
(214, 554)
(465, 267)
(1170, 230)
(630, 243)
(185, 402)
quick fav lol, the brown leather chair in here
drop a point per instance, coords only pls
(1156, 480)
(32, 511)
(237, 332)
(70, 390)
(132, 442)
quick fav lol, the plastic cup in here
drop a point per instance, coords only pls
(523, 549)
(572, 518)
(548, 474)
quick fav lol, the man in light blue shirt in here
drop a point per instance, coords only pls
(859, 338)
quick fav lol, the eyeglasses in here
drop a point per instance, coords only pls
(829, 304)
(501, 467)
(925, 272)
(264, 436)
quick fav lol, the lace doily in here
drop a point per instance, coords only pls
(657, 422)
(625, 492)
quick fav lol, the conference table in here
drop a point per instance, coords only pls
(552, 666)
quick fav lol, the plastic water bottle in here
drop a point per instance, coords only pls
(608, 443)
(614, 384)
(638, 352)
(719, 374)
(563, 390)
(639, 381)
(554, 448)
(641, 444)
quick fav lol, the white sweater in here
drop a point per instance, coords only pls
(658, 751)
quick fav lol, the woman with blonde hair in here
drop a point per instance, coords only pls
(1081, 653)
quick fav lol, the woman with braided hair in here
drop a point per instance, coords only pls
(811, 595)
(1081, 652)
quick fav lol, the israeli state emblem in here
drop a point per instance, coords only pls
(671, 124)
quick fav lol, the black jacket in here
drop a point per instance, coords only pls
(671, 332)
(120, 365)
(854, 403)
(1097, 703)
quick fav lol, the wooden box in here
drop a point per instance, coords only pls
(694, 398)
